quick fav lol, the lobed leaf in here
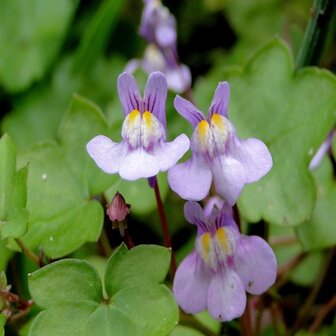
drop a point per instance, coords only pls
(152, 308)
(30, 42)
(3, 320)
(320, 231)
(13, 192)
(62, 182)
(65, 281)
(72, 290)
(142, 265)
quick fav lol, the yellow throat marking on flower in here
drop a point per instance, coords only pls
(222, 239)
(203, 129)
(206, 245)
(148, 119)
(133, 116)
(217, 120)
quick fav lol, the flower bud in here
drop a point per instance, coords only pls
(117, 212)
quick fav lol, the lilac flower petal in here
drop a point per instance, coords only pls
(191, 179)
(153, 59)
(129, 93)
(155, 96)
(168, 153)
(191, 284)
(226, 296)
(147, 24)
(188, 111)
(213, 203)
(138, 164)
(132, 65)
(193, 213)
(322, 151)
(254, 156)
(319, 155)
(152, 181)
(165, 33)
(220, 100)
(107, 154)
(255, 264)
(178, 78)
(229, 177)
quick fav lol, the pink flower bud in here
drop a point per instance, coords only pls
(118, 209)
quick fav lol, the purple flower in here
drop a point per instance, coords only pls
(217, 153)
(157, 25)
(143, 152)
(178, 75)
(223, 265)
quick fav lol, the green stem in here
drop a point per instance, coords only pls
(316, 33)
(105, 244)
(30, 254)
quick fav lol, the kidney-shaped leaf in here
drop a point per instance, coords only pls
(144, 264)
(320, 231)
(71, 290)
(65, 281)
(62, 182)
(13, 192)
(31, 34)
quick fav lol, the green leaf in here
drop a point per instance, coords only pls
(108, 320)
(72, 290)
(97, 33)
(65, 281)
(320, 231)
(151, 308)
(82, 320)
(63, 181)
(185, 331)
(71, 320)
(207, 320)
(37, 115)
(5, 254)
(30, 43)
(269, 102)
(306, 272)
(3, 320)
(143, 264)
(7, 174)
(82, 122)
(13, 192)
(3, 286)
(62, 216)
(3, 280)
(272, 14)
